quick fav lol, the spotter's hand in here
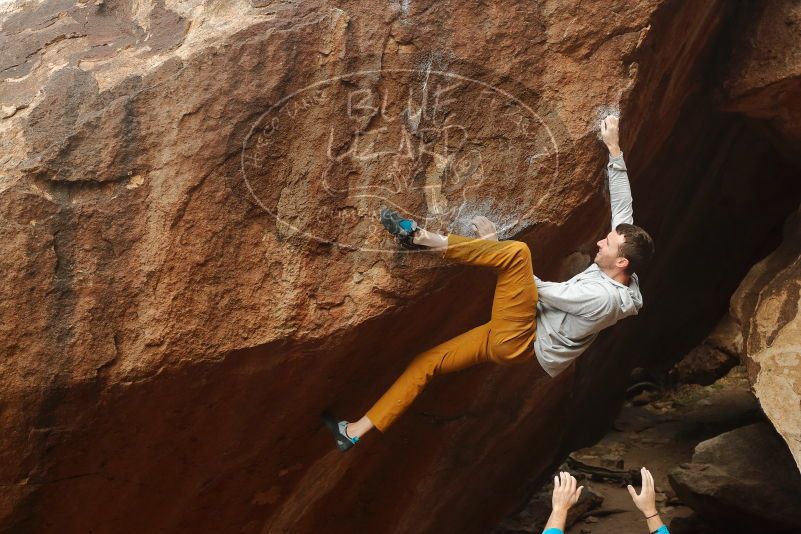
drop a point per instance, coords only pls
(565, 493)
(646, 499)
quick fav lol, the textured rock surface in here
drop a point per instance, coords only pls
(169, 344)
(744, 479)
(714, 357)
(764, 76)
(767, 306)
(764, 82)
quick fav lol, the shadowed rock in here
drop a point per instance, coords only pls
(745, 480)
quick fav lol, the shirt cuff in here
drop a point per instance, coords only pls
(617, 162)
(554, 531)
(661, 530)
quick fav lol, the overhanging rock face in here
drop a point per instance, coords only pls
(191, 268)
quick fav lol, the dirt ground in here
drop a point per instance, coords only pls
(658, 430)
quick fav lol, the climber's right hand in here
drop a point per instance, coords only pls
(610, 133)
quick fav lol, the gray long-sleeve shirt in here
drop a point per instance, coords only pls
(571, 314)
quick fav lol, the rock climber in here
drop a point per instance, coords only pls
(552, 322)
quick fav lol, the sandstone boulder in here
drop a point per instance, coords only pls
(764, 74)
(713, 358)
(745, 480)
(767, 306)
(191, 270)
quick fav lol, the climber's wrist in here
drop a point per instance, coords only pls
(614, 149)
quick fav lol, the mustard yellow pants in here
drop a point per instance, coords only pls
(506, 339)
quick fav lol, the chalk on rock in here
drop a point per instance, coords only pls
(601, 113)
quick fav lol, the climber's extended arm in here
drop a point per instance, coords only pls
(619, 188)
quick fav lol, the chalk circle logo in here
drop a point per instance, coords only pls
(437, 146)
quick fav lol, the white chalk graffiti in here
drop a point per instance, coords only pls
(421, 140)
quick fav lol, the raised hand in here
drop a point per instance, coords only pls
(646, 499)
(565, 493)
(610, 134)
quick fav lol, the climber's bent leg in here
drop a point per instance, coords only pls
(515, 291)
(506, 339)
(458, 353)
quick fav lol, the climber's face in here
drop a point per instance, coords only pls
(608, 256)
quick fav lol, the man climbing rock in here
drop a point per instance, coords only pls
(550, 322)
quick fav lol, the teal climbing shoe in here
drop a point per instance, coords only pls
(402, 229)
(337, 429)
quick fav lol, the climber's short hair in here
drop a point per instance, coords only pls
(638, 247)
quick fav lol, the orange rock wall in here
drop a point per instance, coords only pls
(176, 315)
